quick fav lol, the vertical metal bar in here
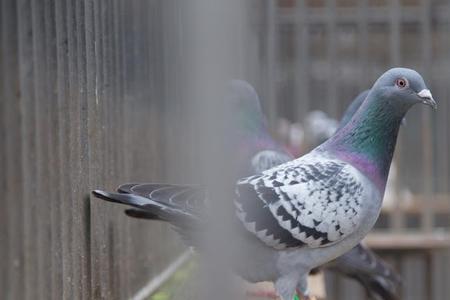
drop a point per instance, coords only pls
(332, 58)
(427, 139)
(36, 91)
(444, 159)
(272, 59)
(397, 218)
(121, 288)
(5, 32)
(302, 69)
(394, 38)
(103, 227)
(73, 141)
(12, 281)
(92, 140)
(53, 193)
(413, 271)
(82, 221)
(363, 43)
(442, 127)
(63, 136)
(28, 163)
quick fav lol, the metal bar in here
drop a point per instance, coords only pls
(363, 43)
(272, 45)
(332, 57)
(12, 267)
(302, 93)
(28, 161)
(379, 14)
(397, 218)
(427, 140)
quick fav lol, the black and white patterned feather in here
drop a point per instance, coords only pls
(316, 200)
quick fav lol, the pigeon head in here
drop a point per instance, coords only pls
(245, 109)
(247, 128)
(401, 88)
(368, 139)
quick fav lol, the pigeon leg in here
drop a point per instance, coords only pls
(302, 289)
(285, 286)
(305, 296)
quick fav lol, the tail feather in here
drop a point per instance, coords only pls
(142, 214)
(362, 264)
(383, 288)
(149, 208)
(127, 199)
(154, 202)
(377, 287)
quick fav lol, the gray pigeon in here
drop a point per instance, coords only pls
(258, 151)
(306, 212)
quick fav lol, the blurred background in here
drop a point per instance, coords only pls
(97, 93)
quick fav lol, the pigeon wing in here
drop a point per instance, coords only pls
(316, 201)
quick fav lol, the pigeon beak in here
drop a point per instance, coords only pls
(427, 98)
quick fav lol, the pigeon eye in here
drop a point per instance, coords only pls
(401, 83)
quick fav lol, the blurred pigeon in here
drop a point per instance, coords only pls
(352, 108)
(306, 212)
(292, 135)
(283, 129)
(319, 127)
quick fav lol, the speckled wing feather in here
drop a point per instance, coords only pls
(316, 199)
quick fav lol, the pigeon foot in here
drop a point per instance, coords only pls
(305, 297)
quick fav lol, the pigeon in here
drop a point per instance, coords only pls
(256, 145)
(306, 212)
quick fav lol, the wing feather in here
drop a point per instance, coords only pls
(316, 201)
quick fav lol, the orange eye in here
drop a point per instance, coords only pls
(401, 83)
